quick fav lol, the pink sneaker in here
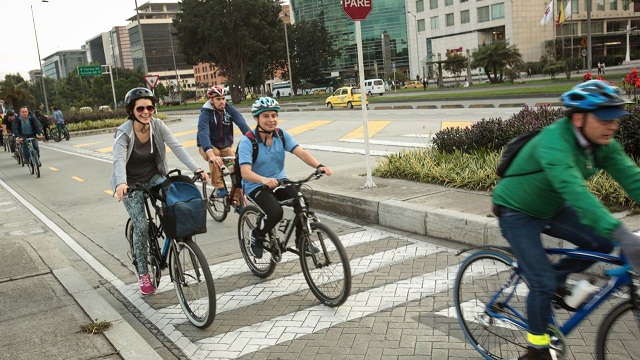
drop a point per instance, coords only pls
(146, 287)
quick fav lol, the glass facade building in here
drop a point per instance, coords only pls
(384, 35)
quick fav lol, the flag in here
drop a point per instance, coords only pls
(560, 16)
(567, 10)
(548, 14)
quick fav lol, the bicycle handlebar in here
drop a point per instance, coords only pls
(316, 174)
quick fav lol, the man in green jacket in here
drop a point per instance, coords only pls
(544, 191)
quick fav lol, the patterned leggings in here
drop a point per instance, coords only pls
(135, 208)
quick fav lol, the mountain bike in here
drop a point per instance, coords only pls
(56, 135)
(219, 207)
(17, 154)
(490, 294)
(188, 268)
(34, 158)
(324, 261)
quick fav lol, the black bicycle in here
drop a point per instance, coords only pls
(219, 207)
(324, 261)
(188, 268)
(58, 135)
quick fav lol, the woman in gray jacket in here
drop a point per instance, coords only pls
(139, 156)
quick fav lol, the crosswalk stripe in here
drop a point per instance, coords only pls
(87, 144)
(312, 125)
(387, 143)
(288, 327)
(338, 149)
(455, 124)
(373, 128)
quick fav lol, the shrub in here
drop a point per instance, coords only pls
(71, 116)
(493, 134)
(629, 134)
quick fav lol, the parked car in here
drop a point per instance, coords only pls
(106, 108)
(85, 109)
(345, 96)
(414, 84)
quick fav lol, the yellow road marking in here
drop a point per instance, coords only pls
(52, 168)
(77, 179)
(312, 125)
(373, 126)
(87, 144)
(108, 192)
(454, 124)
(187, 132)
(105, 150)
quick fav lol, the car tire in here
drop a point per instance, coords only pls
(329, 106)
(349, 105)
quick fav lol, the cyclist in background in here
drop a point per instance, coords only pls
(57, 115)
(7, 122)
(27, 126)
(139, 156)
(544, 191)
(44, 122)
(215, 133)
(268, 169)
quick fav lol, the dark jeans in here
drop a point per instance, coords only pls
(523, 233)
(267, 201)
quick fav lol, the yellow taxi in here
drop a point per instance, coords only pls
(345, 96)
(414, 84)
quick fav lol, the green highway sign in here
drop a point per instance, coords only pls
(91, 70)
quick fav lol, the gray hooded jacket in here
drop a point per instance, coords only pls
(160, 134)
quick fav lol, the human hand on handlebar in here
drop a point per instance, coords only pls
(270, 182)
(216, 160)
(121, 191)
(325, 169)
(203, 175)
(630, 245)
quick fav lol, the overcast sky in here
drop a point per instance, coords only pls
(60, 24)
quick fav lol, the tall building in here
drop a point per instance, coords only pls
(160, 45)
(60, 64)
(444, 26)
(119, 54)
(34, 76)
(384, 35)
(96, 48)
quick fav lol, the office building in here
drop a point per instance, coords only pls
(384, 35)
(60, 64)
(163, 58)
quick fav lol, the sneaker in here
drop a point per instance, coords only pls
(146, 287)
(536, 354)
(222, 192)
(256, 244)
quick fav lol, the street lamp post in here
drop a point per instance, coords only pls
(415, 19)
(44, 89)
(286, 39)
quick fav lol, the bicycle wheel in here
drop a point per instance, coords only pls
(217, 207)
(55, 134)
(31, 164)
(490, 300)
(619, 334)
(66, 134)
(193, 283)
(153, 263)
(264, 266)
(36, 163)
(327, 272)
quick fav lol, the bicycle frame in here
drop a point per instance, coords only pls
(618, 279)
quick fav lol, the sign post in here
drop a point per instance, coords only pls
(358, 10)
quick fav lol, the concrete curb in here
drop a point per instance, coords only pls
(411, 217)
(122, 336)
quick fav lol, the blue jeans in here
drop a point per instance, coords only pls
(523, 231)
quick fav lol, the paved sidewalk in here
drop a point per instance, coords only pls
(45, 301)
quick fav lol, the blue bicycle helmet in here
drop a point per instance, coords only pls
(591, 95)
(264, 104)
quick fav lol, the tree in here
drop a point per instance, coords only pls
(15, 90)
(494, 57)
(311, 52)
(455, 64)
(235, 35)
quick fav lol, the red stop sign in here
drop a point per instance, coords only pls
(357, 9)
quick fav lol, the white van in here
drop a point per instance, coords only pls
(374, 86)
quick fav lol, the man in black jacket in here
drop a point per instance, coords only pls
(27, 126)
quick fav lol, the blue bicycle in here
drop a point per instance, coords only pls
(490, 294)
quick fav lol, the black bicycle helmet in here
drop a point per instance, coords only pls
(10, 112)
(135, 94)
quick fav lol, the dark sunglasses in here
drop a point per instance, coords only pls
(150, 108)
